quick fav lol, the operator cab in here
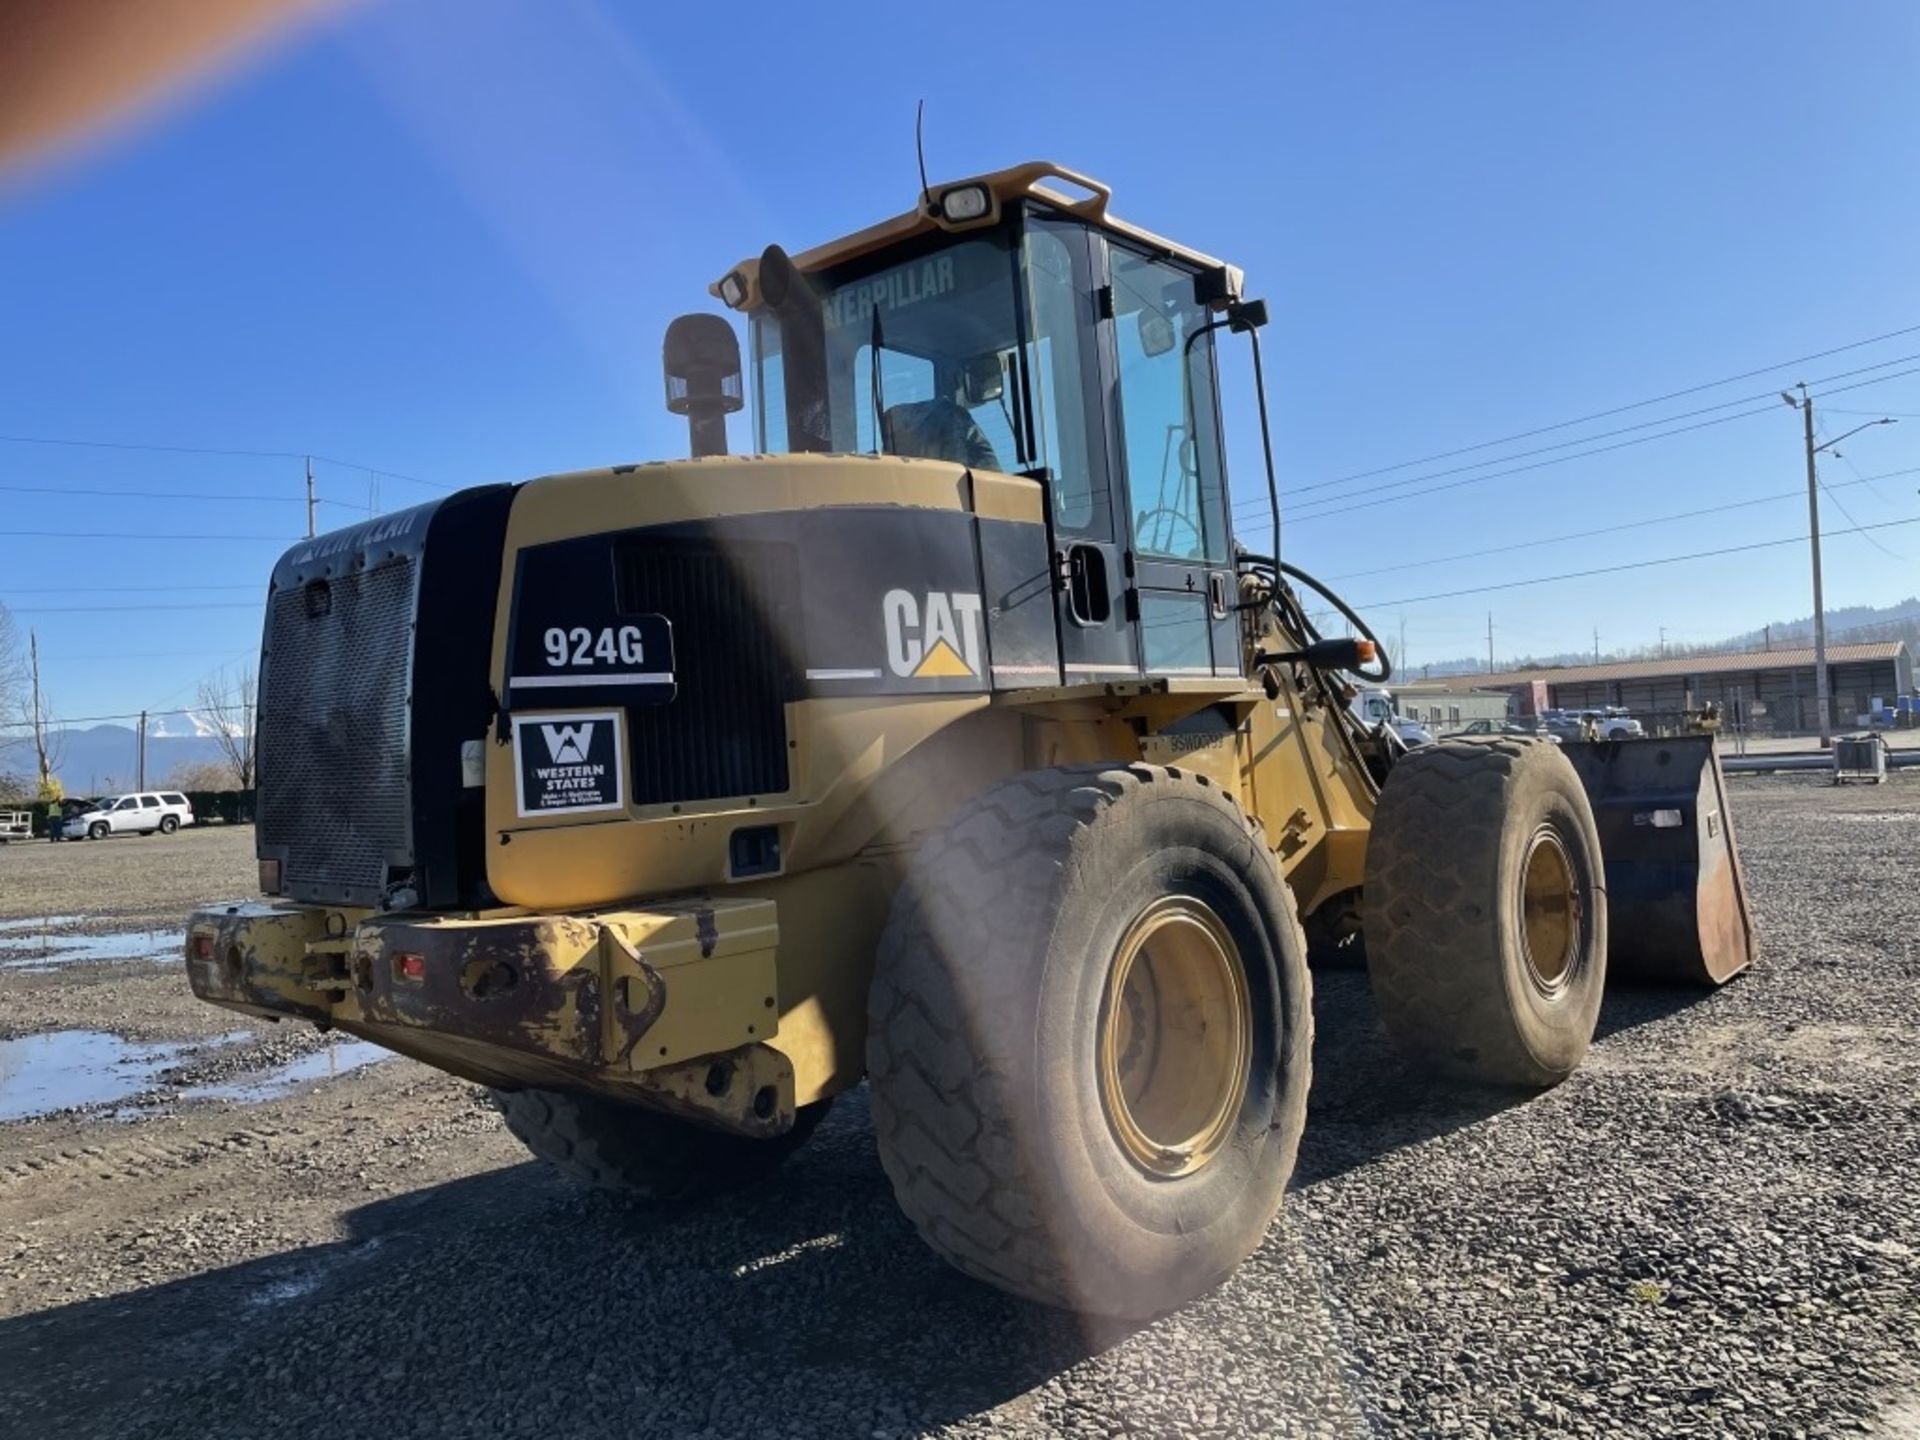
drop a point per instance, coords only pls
(1007, 326)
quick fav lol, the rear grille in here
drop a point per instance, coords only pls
(725, 732)
(333, 733)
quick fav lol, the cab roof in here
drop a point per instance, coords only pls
(1020, 182)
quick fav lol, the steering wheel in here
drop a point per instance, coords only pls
(1383, 667)
(1150, 522)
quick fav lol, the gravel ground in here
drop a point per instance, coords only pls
(1711, 1230)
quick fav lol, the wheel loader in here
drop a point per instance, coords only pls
(947, 743)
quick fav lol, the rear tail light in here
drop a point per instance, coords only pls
(409, 965)
(201, 945)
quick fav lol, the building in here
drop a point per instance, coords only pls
(1775, 688)
(1442, 706)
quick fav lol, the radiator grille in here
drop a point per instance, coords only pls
(724, 733)
(333, 733)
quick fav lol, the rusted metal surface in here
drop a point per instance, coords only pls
(748, 1091)
(532, 984)
(1676, 897)
(256, 959)
(607, 999)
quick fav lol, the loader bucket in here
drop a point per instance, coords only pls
(1677, 905)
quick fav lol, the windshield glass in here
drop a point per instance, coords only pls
(917, 358)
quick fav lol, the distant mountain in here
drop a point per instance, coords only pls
(102, 758)
(1849, 625)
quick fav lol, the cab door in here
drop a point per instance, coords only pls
(1066, 384)
(1166, 433)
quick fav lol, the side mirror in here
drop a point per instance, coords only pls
(982, 380)
(1156, 333)
(701, 357)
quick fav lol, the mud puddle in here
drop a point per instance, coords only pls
(327, 1064)
(74, 1069)
(20, 950)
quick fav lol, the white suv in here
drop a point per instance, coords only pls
(141, 814)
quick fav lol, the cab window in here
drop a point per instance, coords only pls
(1059, 300)
(149, 802)
(1169, 420)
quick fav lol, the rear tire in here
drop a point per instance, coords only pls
(1090, 1036)
(168, 824)
(614, 1146)
(1485, 911)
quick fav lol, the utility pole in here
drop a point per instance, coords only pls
(1489, 642)
(1596, 644)
(1663, 642)
(140, 771)
(39, 718)
(1767, 632)
(311, 503)
(1820, 698)
(1400, 656)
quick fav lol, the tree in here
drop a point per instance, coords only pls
(13, 679)
(203, 775)
(229, 708)
(36, 714)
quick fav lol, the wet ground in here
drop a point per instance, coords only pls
(1712, 1230)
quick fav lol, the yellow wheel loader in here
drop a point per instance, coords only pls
(948, 742)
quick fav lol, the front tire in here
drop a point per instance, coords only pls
(98, 830)
(1090, 1037)
(1485, 911)
(613, 1146)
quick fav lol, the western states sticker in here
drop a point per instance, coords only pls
(568, 763)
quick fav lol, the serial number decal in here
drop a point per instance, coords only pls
(1186, 744)
(582, 646)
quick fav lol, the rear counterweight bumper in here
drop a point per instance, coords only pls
(621, 1002)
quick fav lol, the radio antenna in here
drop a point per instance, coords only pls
(920, 150)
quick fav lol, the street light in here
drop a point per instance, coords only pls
(1804, 404)
(1884, 420)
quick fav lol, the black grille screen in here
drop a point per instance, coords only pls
(333, 733)
(725, 732)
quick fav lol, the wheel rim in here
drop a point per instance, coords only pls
(1175, 1038)
(1550, 912)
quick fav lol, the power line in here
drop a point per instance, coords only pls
(1631, 565)
(124, 589)
(1247, 506)
(1341, 509)
(1604, 434)
(134, 609)
(217, 450)
(71, 720)
(141, 535)
(1848, 514)
(146, 494)
(1623, 409)
(1840, 505)
(138, 655)
(1612, 529)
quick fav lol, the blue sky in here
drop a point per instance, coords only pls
(443, 239)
